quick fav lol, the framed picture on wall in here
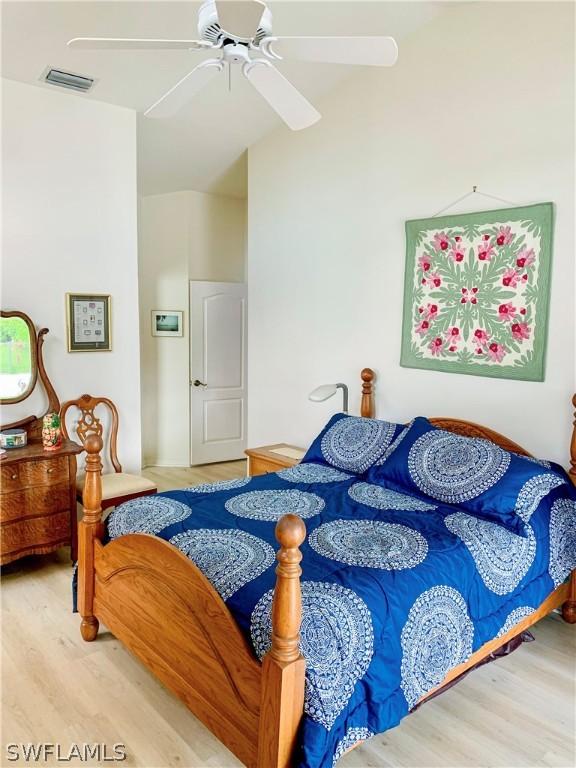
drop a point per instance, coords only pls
(167, 322)
(476, 293)
(88, 322)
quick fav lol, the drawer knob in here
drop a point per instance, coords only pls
(14, 477)
(49, 471)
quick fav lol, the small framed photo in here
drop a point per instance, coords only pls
(88, 321)
(167, 322)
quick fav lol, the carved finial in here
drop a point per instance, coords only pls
(93, 445)
(287, 605)
(367, 403)
(572, 470)
(367, 375)
(290, 532)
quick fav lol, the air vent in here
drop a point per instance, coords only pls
(68, 80)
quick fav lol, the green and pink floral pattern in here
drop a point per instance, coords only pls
(476, 292)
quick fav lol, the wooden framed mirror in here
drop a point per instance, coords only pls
(21, 365)
(18, 357)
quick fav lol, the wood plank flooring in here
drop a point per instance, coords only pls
(518, 712)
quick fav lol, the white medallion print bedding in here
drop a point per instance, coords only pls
(383, 498)
(542, 462)
(228, 558)
(370, 544)
(532, 493)
(221, 485)
(312, 473)
(437, 636)
(514, 617)
(351, 737)
(502, 558)
(355, 443)
(454, 469)
(271, 505)
(562, 540)
(148, 514)
(336, 639)
(392, 447)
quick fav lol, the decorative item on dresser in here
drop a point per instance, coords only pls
(117, 486)
(38, 495)
(159, 603)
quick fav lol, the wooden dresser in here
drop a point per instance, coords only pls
(37, 500)
(38, 487)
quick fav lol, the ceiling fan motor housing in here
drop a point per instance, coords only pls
(209, 27)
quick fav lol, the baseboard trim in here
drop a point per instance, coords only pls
(150, 463)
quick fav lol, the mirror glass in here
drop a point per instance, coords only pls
(16, 363)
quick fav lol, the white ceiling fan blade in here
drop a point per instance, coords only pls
(135, 44)
(240, 17)
(181, 93)
(283, 97)
(371, 51)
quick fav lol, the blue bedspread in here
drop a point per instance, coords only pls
(397, 589)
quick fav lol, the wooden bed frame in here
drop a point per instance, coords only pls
(158, 603)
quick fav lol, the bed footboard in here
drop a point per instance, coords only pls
(160, 605)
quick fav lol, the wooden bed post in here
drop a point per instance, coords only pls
(89, 529)
(367, 402)
(569, 607)
(572, 470)
(283, 667)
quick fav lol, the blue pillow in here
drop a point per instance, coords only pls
(474, 474)
(352, 443)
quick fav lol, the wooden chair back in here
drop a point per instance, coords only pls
(90, 424)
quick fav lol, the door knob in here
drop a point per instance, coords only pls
(198, 383)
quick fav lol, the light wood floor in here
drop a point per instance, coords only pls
(518, 712)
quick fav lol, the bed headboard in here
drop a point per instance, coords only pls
(460, 426)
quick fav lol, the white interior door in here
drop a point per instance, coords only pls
(217, 371)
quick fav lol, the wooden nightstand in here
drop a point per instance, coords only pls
(271, 458)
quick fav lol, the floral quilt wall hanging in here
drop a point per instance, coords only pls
(476, 292)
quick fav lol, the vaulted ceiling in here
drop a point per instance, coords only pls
(203, 147)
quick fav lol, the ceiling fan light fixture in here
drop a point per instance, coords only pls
(214, 29)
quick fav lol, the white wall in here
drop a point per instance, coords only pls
(217, 238)
(484, 95)
(69, 225)
(183, 236)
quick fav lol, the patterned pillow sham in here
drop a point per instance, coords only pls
(352, 443)
(475, 474)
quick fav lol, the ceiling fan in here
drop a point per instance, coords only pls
(241, 32)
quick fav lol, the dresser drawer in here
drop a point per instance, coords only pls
(31, 473)
(45, 471)
(36, 534)
(29, 502)
(11, 477)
